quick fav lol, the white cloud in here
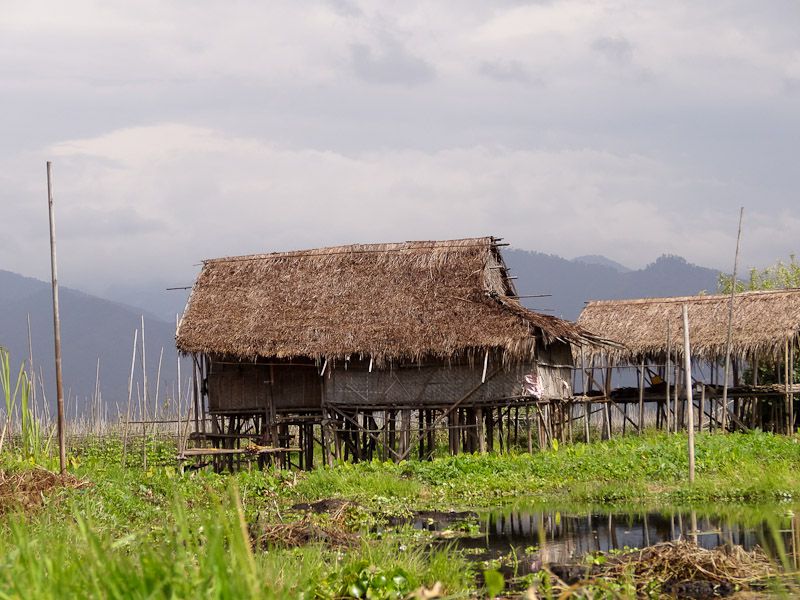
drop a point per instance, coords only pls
(155, 200)
(190, 129)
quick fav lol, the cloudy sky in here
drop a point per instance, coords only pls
(186, 130)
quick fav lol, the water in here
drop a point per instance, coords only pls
(542, 535)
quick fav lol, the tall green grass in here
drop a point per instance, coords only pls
(201, 548)
(33, 444)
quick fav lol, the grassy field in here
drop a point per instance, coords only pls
(119, 532)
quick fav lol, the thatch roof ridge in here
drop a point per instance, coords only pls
(388, 301)
(688, 299)
(380, 248)
(763, 322)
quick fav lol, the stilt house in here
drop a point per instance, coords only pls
(345, 346)
(765, 328)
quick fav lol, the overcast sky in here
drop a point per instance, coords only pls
(186, 130)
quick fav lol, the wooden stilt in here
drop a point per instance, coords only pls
(420, 434)
(641, 397)
(480, 425)
(528, 428)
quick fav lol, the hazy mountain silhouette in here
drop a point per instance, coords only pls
(572, 283)
(597, 259)
(91, 327)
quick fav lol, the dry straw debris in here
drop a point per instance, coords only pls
(26, 490)
(331, 529)
(681, 569)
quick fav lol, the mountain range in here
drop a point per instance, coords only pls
(95, 327)
(571, 283)
(91, 328)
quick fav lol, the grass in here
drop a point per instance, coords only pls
(651, 468)
(136, 533)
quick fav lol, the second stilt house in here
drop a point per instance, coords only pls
(762, 353)
(369, 350)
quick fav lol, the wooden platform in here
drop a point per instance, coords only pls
(255, 451)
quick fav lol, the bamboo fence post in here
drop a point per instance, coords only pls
(786, 386)
(96, 399)
(677, 416)
(528, 428)
(730, 326)
(687, 355)
(158, 385)
(702, 408)
(791, 384)
(130, 396)
(606, 407)
(179, 398)
(641, 397)
(667, 375)
(143, 412)
(479, 422)
(62, 442)
(587, 410)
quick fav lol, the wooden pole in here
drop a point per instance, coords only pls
(587, 406)
(479, 422)
(528, 423)
(702, 409)
(687, 355)
(179, 398)
(158, 385)
(62, 446)
(791, 384)
(96, 401)
(667, 374)
(606, 408)
(641, 397)
(676, 413)
(786, 387)
(730, 326)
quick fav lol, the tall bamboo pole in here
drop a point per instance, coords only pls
(730, 326)
(130, 397)
(62, 445)
(667, 374)
(143, 411)
(687, 357)
(641, 397)
(786, 387)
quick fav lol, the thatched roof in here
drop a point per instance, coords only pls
(762, 323)
(384, 301)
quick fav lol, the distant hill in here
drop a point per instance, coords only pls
(596, 259)
(573, 282)
(91, 327)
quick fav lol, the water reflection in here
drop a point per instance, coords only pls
(556, 536)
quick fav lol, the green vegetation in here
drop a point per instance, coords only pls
(133, 533)
(779, 276)
(16, 393)
(652, 468)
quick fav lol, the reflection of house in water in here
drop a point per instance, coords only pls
(564, 537)
(367, 350)
(765, 330)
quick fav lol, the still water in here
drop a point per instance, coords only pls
(546, 535)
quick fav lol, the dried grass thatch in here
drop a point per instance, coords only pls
(27, 489)
(681, 568)
(386, 301)
(763, 322)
